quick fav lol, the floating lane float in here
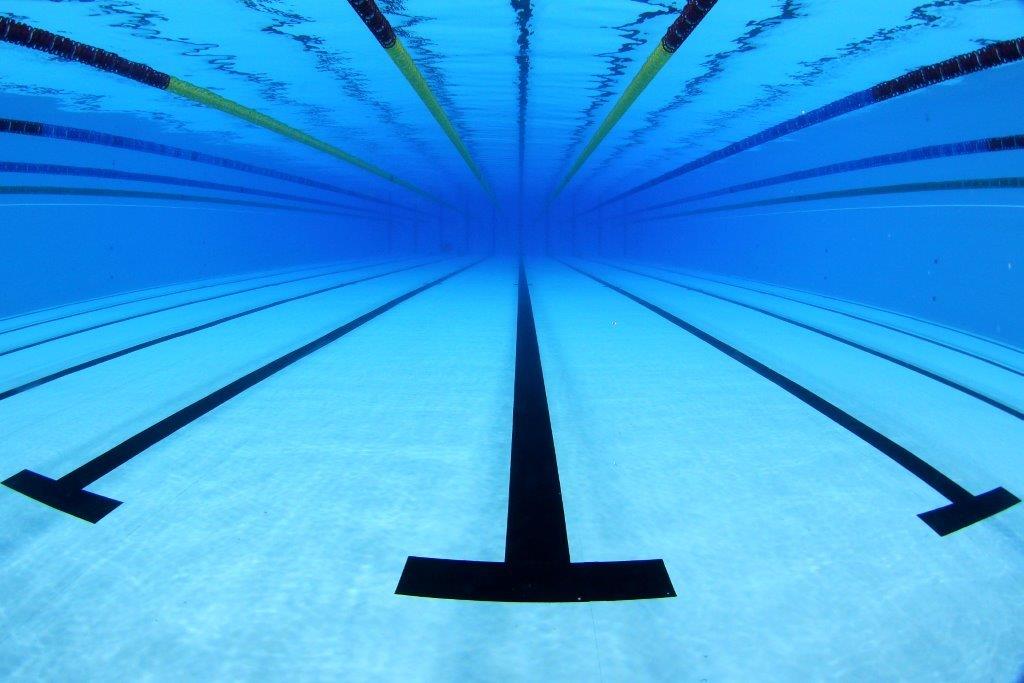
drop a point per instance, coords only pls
(95, 137)
(1006, 143)
(996, 54)
(693, 13)
(382, 30)
(17, 33)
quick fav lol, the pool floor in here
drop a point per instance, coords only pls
(266, 537)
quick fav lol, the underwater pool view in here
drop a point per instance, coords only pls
(512, 340)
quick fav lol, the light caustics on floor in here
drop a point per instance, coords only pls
(327, 439)
(449, 466)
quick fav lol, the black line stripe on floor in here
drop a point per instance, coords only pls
(46, 379)
(68, 493)
(136, 316)
(537, 567)
(536, 518)
(948, 328)
(92, 192)
(964, 509)
(126, 302)
(953, 384)
(853, 316)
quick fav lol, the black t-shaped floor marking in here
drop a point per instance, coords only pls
(68, 493)
(964, 509)
(537, 567)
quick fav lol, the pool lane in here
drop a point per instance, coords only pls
(939, 339)
(793, 545)
(966, 439)
(1001, 389)
(33, 338)
(56, 427)
(279, 524)
(323, 287)
(54, 313)
(27, 365)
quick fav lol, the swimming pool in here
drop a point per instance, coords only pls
(520, 340)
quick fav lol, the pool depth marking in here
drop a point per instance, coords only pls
(964, 509)
(68, 493)
(85, 365)
(135, 316)
(537, 566)
(999, 405)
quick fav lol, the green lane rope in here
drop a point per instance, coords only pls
(382, 30)
(24, 35)
(680, 30)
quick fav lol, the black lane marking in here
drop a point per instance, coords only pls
(154, 296)
(1006, 183)
(21, 167)
(68, 493)
(135, 316)
(65, 191)
(953, 384)
(853, 316)
(46, 379)
(964, 509)
(537, 567)
(933, 323)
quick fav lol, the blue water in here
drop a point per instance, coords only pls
(763, 389)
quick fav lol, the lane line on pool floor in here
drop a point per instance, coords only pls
(187, 289)
(537, 566)
(136, 316)
(953, 384)
(853, 316)
(78, 367)
(67, 493)
(965, 508)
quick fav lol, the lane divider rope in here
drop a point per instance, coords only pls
(382, 30)
(996, 54)
(1007, 143)
(693, 13)
(17, 33)
(94, 137)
